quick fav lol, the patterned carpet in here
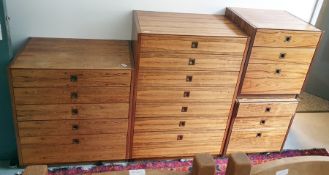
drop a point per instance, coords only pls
(184, 165)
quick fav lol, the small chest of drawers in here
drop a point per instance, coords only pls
(71, 100)
(188, 66)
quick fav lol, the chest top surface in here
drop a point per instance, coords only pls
(272, 19)
(185, 24)
(53, 53)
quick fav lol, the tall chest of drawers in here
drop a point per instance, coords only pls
(279, 56)
(187, 71)
(71, 100)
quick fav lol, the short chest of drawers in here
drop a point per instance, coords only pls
(71, 100)
(187, 69)
(279, 56)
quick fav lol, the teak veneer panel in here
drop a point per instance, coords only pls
(155, 110)
(265, 109)
(57, 53)
(72, 127)
(72, 111)
(62, 78)
(261, 123)
(38, 150)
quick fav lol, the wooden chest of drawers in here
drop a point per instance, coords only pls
(71, 100)
(188, 67)
(279, 56)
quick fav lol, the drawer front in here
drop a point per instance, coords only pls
(187, 78)
(71, 95)
(286, 38)
(181, 44)
(183, 109)
(178, 95)
(71, 111)
(256, 141)
(173, 144)
(179, 124)
(266, 55)
(71, 127)
(64, 78)
(261, 123)
(265, 109)
(165, 61)
(82, 148)
(274, 79)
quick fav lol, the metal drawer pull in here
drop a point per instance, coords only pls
(191, 61)
(184, 109)
(180, 137)
(75, 127)
(268, 109)
(194, 44)
(259, 135)
(74, 78)
(76, 141)
(262, 122)
(182, 124)
(277, 71)
(74, 95)
(186, 94)
(74, 111)
(282, 55)
(287, 39)
(189, 78)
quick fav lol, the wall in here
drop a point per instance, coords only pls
(318, 80)
(107, 19)
(110, 19)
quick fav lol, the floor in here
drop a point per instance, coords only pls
(309, 128)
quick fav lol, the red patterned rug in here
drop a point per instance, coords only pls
(184, 165)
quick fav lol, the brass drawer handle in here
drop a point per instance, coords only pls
(182, 124)
(186, 94)
(262, 122)
(268, 109)
(287, 39)
(75, 141)
(74, 111)
(258, 135)
(191, 61)
(278, 71)
(282, 55)
(194, 44)
(184, 109)
(74, 78)
(189, 78)
(180, 137)
(74, 95)
(75, 127)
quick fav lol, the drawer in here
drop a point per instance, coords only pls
(82, 148)
(183, 109)
(256, 141)
(167, 61)
(286, 38)
(265, 109)
(71, 127)
(71, 95)
(173, 144)
(274, 78)
(180, 94)
(193, 44)
(187, 78)
(261, 123)
(64, 78)
(179, 124)
(267, 55)
(71, 111)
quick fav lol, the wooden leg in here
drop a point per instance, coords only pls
(36, 170)
(238, 164)
(204, 164)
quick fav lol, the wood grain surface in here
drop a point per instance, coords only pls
(265, 109)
